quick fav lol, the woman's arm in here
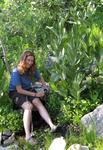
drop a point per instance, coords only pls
(29, 93)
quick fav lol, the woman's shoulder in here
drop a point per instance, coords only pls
(15, 70)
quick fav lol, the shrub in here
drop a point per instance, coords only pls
(10, 119)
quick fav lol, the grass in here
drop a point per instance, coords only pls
(44, 138)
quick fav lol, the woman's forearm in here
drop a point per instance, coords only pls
(25, 92)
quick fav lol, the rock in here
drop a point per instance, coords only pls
(9, 141)
(78, 147)
(13, 147)
(10, 147)
(3, 148)
(94, 120)
(58, 144)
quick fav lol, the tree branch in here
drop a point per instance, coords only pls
(4, 57)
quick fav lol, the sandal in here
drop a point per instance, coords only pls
(31, 141)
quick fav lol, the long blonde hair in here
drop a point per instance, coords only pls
(22, 62)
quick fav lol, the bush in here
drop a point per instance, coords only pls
(10, 119)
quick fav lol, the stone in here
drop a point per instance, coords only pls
(58, 144)
(11, 147)
(94, 120)
(3, 148)
(78, 147)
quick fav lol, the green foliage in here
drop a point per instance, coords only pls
(68, 36)
(72, 110)
(84, 137)
(90, 135)
(99, 144)
(53, 104)
(9, 119)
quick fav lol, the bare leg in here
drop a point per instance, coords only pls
(27, 118)
(43, 112)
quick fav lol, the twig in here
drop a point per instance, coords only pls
(4, 57)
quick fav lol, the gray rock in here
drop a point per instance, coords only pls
(78, 147)
(11, 147)
(3, 148)
(94, 120)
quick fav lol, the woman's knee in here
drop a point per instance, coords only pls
(27, 105)
(36, 102)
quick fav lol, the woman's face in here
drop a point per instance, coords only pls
(29, 61)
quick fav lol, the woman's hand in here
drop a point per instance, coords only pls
(39, 94)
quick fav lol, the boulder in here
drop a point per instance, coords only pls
(94, 120)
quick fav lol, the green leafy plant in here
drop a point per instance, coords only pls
(10, 119)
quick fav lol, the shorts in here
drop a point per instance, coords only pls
(19, 99)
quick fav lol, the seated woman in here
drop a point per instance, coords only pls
(21, 94)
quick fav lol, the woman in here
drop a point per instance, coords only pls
(22, 78)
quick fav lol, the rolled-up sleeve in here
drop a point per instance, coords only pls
(15, 80)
